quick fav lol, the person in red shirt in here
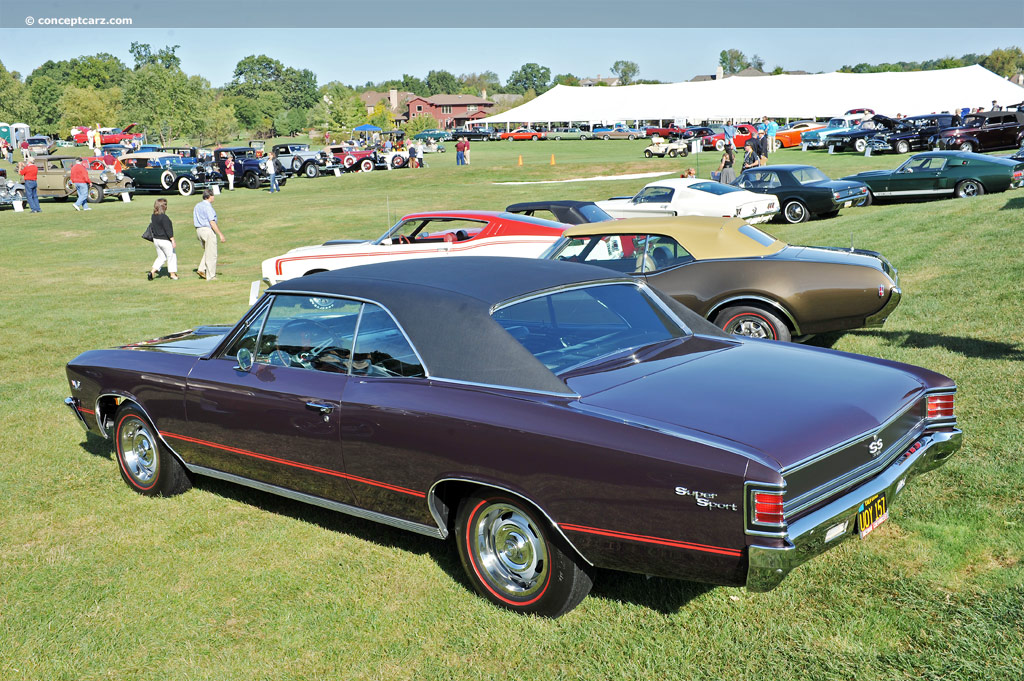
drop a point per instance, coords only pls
(29, 175)
(80, 178)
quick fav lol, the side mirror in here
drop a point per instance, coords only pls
(244, 359)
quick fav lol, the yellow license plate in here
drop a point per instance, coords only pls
(872, 513)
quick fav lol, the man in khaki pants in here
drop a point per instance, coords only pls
(204, 217)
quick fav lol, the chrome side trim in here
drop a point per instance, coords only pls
(878, 319)
(792, 320)
(551, 521)
(319, 501)
(72, 404)
(473, 384)
(808, 536)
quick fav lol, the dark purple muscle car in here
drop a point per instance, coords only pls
(552, 417)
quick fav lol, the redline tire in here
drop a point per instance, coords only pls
(755, 322)
(145, 463)
(514, 559)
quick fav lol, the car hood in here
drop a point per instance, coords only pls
(195, 342)
(338, 245)
(869, 174)
(784, 401)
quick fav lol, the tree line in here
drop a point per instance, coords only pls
(264, 96)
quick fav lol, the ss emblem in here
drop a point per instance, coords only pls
(876, 446)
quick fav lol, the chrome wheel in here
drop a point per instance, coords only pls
(509, 550)
(966, 146)
(795, 212)
(754, 328)
(969, 188)
(138, 450)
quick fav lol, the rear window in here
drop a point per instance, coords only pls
(575, 327)
(714, 188)
(757, 235)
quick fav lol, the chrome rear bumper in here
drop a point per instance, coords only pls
(832, 524)
(878, 319)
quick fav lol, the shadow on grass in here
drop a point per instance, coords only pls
(1014, 204)
(97, 446)
(666, 596)
(968, 347)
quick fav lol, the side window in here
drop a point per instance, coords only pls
(302, 332)
(654, 195)
(771, 181)
(664, 252)
(381, 348)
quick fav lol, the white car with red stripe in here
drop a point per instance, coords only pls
(424, 235)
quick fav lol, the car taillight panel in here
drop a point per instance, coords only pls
(768, 508)
(940, 406)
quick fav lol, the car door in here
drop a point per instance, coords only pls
(919, 175)
(267, 407)
(387, 419)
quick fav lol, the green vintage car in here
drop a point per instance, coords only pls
(938, 174)
(156, 171)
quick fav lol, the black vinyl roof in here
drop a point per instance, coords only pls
(444, 305)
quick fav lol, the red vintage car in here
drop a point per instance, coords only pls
(353, 159)
(111, 136)
(524, 134)
(744, 132)
(670, 131)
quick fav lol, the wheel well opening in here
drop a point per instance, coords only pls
(106, 407)
(318, 271)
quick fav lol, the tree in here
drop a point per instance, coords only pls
(45, 94)
(1006, 61)
(381, 116)
(565, 79)
(165, 102)
(530, 76)
(442, 83)
(476, 82)
(344, 109)
(732, 61)
(290, 122)
(218, 123)
(143, 55)
(299, 88)
(254, 74)
(421, 123)
(627, 71)
(756, 63)
(14, 102)
(414, 85)
(87, 106)
(95, 71)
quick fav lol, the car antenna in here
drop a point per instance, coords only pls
(388, 216)
(851, 242)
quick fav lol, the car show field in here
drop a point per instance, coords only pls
(227, 582)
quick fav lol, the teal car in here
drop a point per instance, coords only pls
(840, 124)
(155, 171)
(433, 134)
(938, 174)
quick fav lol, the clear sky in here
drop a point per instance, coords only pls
(372, 55)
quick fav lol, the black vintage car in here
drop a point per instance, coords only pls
(984, 131)
(250, 165)
(857, 138)
(568, 212)
(912, 133)
(804, 191)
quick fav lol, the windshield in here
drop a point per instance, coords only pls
(837, 123)
(809, 175)
(569, 328)
(974, 121)
(714, 188)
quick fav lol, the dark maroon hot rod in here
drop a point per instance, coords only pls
(553, 417)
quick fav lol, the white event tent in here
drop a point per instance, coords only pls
(784, 96)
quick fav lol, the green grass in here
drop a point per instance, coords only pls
(97, 582)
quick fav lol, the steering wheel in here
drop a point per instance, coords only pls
(306, 331)
(401, 239)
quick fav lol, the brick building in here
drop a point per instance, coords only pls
(450, 110)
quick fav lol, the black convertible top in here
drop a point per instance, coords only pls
(444, 305)
(565, 211)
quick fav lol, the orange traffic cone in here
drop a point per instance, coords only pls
(520, 159)
(552, 159)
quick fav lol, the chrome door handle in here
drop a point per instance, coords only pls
(324, 408)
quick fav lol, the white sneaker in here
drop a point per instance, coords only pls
(77, 207)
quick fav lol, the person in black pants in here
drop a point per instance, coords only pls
(163, 239)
